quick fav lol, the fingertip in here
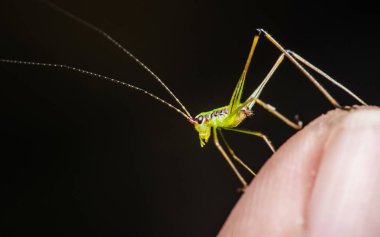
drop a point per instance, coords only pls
(278, 202)
(345, 197)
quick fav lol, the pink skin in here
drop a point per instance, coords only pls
(324, 181)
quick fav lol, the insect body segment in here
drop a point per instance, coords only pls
(218, 118)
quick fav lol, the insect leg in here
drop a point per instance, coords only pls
(273, 111)
(301, 68)
(234, 155)
(322, 73)
(258, 134)
(224, 154)
(253, 98)
(270, 109)
(236, 95)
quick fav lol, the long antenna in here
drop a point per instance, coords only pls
(113, 41)
(92, 74)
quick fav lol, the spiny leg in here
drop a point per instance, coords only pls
(258, 134)
(234, 155)
(224, 154)
(300, 67)
(273, 111)
(322, 73)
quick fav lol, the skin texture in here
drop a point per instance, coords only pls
(324, 181)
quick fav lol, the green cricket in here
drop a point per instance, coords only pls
(227, 117)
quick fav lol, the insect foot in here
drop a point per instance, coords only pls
(242, 189)
(349, 108)
(299, 121)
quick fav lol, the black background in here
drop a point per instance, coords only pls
(81, 156)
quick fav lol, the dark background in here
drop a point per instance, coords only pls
(82, 156)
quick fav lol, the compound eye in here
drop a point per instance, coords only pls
(200, 119)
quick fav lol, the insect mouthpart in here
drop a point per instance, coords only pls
(191, 120)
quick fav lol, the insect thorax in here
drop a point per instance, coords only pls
(218, 118)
